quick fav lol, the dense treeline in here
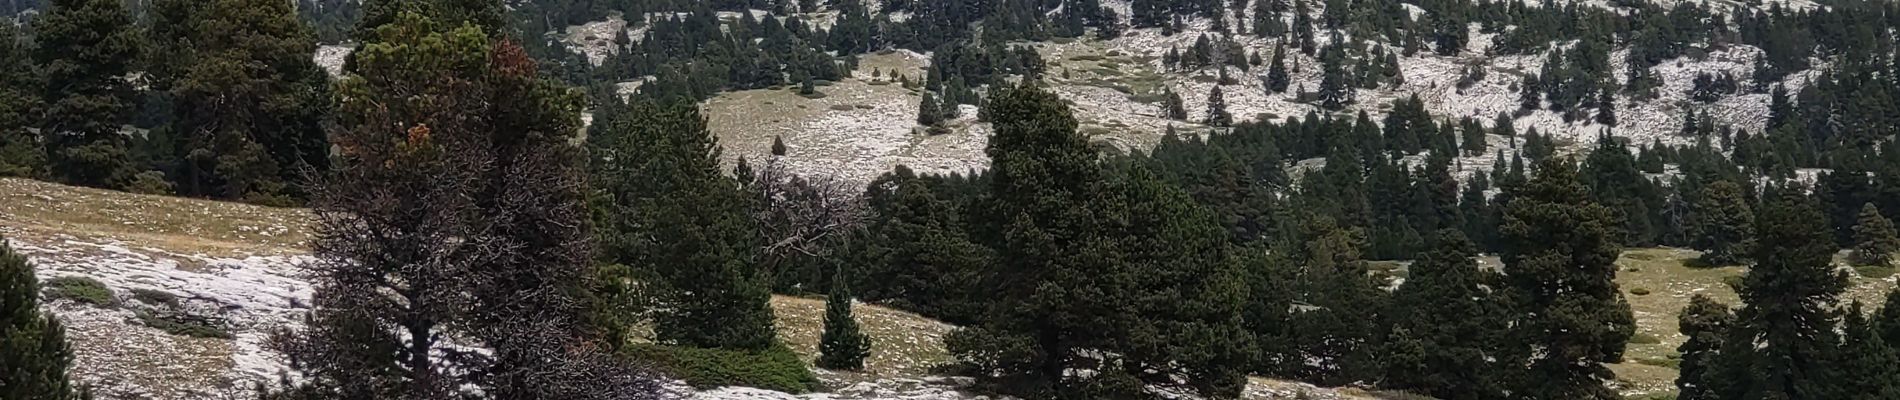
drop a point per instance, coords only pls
(693, 49)
(1300, 247)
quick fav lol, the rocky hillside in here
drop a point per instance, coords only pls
(192, 290)
(866, 124)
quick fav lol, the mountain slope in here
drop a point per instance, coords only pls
(232, 268)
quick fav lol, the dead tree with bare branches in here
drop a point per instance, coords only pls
(803, 223)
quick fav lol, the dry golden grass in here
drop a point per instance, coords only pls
(902, 343)
(45, 211)
(1670, 283)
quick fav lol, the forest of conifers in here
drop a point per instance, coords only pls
(471, 243)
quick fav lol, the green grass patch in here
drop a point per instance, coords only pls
(1875, 272)
(184, 325)
(1644, 338)
(80, 289)
(1639, 291)
(814, 95)
(842, 107)
(155, 297)
(775, 368)
(1088, 57)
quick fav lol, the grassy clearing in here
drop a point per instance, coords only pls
(902, 343)
(1669, 281)
(44, 212)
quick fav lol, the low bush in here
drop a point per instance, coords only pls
(155, 297)
(80, 289)
(184, 325)
(776, 368)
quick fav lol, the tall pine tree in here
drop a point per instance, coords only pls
(665, 208)
(86, 50)
(249, 100)
(1073, 246)
(1724, 224)
(1784, 341)
(1874, 240)
(20, 150)
(1706, 323)
(1560, 253)
(1444, 326)
(1217, 109)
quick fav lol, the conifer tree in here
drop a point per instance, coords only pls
(778, 147)
(1606, 109)
(1784, 341)
(1706, 323)
(1610, 172)
(250, 101)
(1474, 140)
(1335, 88)
(1724, 224)
(462, 221)
(1560, 260)
(1217, 109)
(1176, 109)
(1067, 237)
(919, 252)
(1333, 281)
(1277, 78)
(671, 212)
(842, 346)
(37, 357)
(1446, 317)
(1870, 368)
(1505, 126)
(20, 150)
(1874, 239)
(85, 53)
(1529, 97)
(929, 111)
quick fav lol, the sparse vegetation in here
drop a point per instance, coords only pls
(774, 368)
(80, 289)
(184, 325)
(155, 297)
